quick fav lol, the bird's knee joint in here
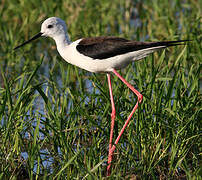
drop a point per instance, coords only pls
(140, 97)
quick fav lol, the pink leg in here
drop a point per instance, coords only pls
(113, 115)
(131, 114)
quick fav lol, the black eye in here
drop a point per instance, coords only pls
(49, 26)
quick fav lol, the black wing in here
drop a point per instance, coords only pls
(106, 47)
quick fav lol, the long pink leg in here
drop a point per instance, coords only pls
(113, 115)
(140, 97)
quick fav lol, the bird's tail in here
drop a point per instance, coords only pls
(150, 47)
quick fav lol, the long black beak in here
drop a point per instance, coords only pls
(26, 42)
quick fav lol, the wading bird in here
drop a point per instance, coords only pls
(101, 54)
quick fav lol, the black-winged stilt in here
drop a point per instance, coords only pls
(101, 54)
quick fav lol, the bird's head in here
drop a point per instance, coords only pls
(53, 27)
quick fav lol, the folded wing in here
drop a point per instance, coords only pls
(106, 47)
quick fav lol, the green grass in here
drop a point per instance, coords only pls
(55, 118)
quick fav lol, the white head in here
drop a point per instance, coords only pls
(53, 27)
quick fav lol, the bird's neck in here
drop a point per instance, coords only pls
(62, 40)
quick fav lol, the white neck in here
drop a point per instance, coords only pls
(62, 41)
